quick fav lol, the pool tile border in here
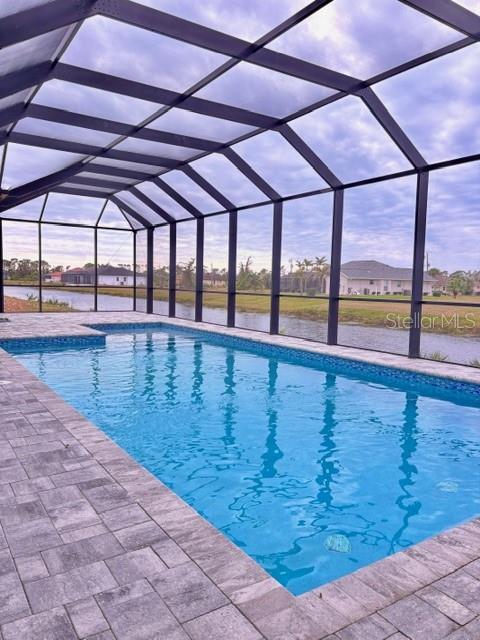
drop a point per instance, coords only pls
(73, 493)
(81, 324)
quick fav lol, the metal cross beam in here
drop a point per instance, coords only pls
(160, 22)
(97, 182)
(251, 174)
(209, 188)
(78, 191)
(23, 79)
(98, 80)
(384, 117)
(183, 202)
(38, 20)
(152, 205)
(207, 38)
(307, 154)
(134, 214)
(90, 150)
(450, 13)
(62, 116)
(49, 16)
(107, 170)
(38, 187)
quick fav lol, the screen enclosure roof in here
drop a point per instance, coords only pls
(135, 114)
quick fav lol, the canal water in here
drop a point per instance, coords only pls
(456, 348)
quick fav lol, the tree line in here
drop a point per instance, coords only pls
(306, 276)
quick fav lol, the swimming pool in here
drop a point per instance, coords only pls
(314, 466)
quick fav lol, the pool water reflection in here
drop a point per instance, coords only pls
(313, 471)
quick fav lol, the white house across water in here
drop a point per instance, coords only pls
(108, 276)
(370, 277)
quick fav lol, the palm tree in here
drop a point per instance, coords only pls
(300, 273)
(321, 267)
(247, 279)
(188, 273)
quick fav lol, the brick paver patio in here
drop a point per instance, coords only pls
(93, 546)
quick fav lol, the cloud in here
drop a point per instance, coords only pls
(191, 191)
(279, 164)
(30, 52)
(154, 148)
(61, 207)
(24, 164)
(436, 104)
(113, 47)
(307, 225)
(346, 136)
(30, 210)
(248, 19)
(20, 240)
(453, 223)
(471, 5)
(216, 242)
(167, 203)
(364, 37)
(197, 125)
(223, 175)
(379, 221)
(140, 207)
(94, 102)
(186, 242)
(262, 90)
(112, 217)
(60, 131)
(161, 253)
(254, 236)
(62, 247)
(115, 247)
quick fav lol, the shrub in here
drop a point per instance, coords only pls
(435, 355)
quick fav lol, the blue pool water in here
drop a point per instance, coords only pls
(313, 466)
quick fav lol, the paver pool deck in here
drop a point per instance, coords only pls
(93, 546)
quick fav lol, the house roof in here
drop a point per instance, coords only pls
(372, 269)
(103, 271)
(114, 271)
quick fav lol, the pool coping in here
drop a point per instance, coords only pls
(76, 325)
(384, 596)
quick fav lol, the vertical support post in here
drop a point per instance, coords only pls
(172, 272)
(134, 235)
(150, 232)
(40, 289)
(335, 265)
(40, 282)
(232, 267)
(276, 267)
(418, 264)
(199, 269)
(2, 272)
(95, 269)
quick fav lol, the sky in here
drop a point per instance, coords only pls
(436, 104)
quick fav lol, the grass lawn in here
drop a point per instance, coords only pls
(15, 305)
(380, 311)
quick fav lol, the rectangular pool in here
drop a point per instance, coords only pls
(313, 465)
